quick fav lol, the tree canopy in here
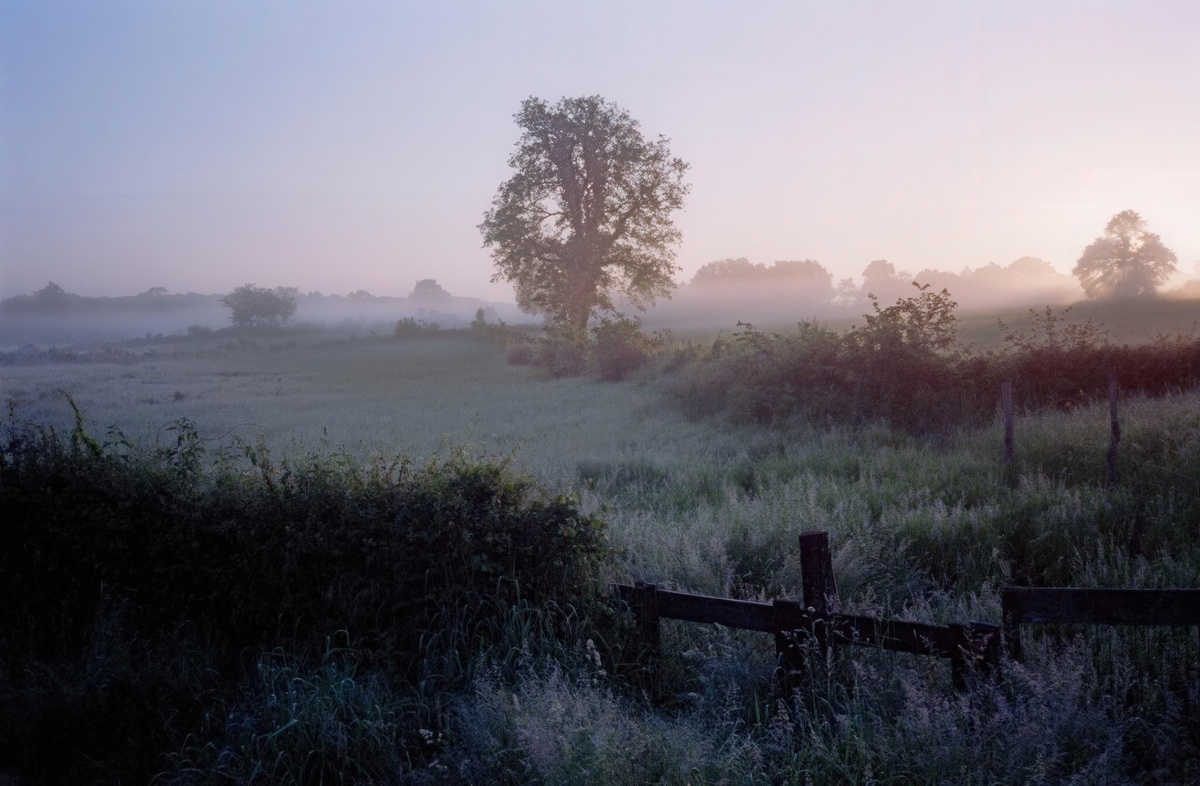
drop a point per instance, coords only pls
(586, 215)
(428, 289)
(1128, 260)
(253, 306)
(742, 270)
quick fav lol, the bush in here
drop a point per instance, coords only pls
(619, 347)
(418, 566)
(904, 367)
(410, 327)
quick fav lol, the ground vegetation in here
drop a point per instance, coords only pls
(545, 685)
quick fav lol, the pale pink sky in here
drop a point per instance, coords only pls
(355, 145)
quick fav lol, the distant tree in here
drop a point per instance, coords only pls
(253, 306)
(1126, 261)
(880, 278)
(155, 292)
(809, 271)
(728, 270)
(1032, 266)
(429, 290)
(742, 270)
(51, 292)
(586, 215)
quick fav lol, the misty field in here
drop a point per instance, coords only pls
(923, 528)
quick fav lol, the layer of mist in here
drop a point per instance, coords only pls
(53, 317)
(731, 291)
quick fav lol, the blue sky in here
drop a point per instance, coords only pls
(356, 145)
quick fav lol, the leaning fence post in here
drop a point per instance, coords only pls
(1114, 439)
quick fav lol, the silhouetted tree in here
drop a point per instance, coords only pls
(1127, 261)
(586, 214)
(253, 306)
(428, 289)
(881, 279)
(728, 270)
(742, 270)
(51, 292)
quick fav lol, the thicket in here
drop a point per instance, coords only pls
(905, 367)
(145, 590)
(610, 351)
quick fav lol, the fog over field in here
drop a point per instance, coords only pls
(380, 379)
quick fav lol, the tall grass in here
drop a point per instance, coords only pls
(923, 528)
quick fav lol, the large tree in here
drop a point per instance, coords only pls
(586, 215)
(252, 306)
(1128, 260)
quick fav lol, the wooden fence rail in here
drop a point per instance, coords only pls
(1064, 606)
(972, 646)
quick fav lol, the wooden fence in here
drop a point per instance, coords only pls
(1051, 606)
(975, 646)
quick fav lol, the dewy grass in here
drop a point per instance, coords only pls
(921, 529)
(296, 724)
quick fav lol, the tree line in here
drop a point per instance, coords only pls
(586, 222)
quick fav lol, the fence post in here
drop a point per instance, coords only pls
(646, 608)
(1010, 615)
(789, 648)
(1110, 469)
(977, 644)
(816, 573)
(1006, 407)
(819, 589)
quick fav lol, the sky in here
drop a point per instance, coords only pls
(338, 146)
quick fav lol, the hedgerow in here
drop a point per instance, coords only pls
(905, 367)
(417, 566)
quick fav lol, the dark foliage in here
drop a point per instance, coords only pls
(252, 306)
(416, 566)
(904, 366)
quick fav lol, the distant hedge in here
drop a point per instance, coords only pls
(905, 367)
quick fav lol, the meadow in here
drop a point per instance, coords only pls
(923, 528)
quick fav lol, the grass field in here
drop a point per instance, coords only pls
(364, 396)
(922, 529)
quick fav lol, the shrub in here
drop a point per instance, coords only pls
(419, 566)
(619, 347)
(563, 352)
(411, 327)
